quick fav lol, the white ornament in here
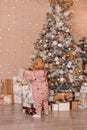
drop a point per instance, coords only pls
(40, 41)
(53, 36)
(61, 72)
(54, 42)
(56, 59)
(70, 62)
(58, 9)
(57, 62)
(71, 71)
(67, 30)
(71, 78)
(69, 65)
(49, 54)
(66, 13)
(60, 45)
(81, 77)
(61, 79)
(60, 24)
(48, 35)
(45, 45)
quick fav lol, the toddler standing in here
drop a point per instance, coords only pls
(39, 85)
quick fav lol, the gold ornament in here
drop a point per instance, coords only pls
(46, 40)
(65, 79)
(53, 1)
(74, 43)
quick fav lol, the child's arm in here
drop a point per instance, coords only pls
(29, 75)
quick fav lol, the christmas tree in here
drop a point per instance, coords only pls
(59, 50)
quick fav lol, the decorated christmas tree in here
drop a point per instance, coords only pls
(58, 48)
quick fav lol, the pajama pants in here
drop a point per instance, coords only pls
(38, 105)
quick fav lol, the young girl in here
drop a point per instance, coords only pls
(39, 85)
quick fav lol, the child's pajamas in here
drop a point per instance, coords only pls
(39, 89)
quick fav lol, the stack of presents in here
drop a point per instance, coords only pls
(18, 91)
(64, 101)
(69, 100)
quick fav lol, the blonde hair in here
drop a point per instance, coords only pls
(38, 63)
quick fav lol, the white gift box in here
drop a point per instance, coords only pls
(77, 95)
(7, 99)
(83, 89)
(64, 106)
(17, 92)
(54, 107)
(27, 95)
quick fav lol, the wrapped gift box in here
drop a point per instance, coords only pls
(64, 106)
(17, 92)
(5, 99)
(27, 95)
(55, 107)
(74, 104)
(7, 89)
(77, 95)
(82, 104)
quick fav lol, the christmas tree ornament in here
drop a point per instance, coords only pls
(54, 42)
(56, 59)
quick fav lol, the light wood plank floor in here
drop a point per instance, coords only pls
(12, 118)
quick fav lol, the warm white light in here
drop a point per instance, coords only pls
(6, 0)
(21, 41)
(29, 23)
(7, 50)
(8, 29)
(9, 72)
(13, 7)
(8, 15)
(14, 22)
(6, 6)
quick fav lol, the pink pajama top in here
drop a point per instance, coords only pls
(39, 83)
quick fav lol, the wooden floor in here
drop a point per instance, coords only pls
(12, 118)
